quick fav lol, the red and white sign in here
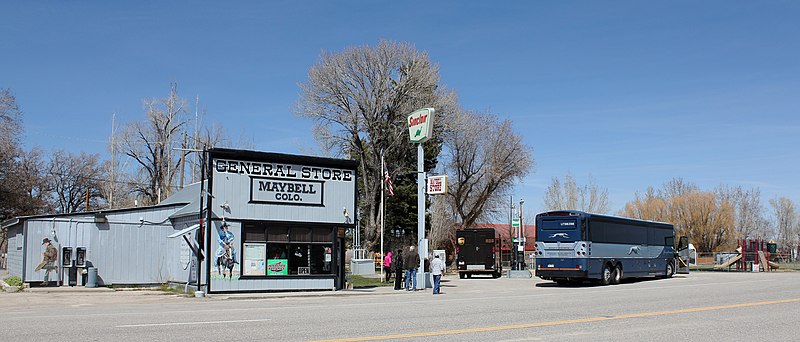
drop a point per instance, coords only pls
(420, 125)
(437, 185)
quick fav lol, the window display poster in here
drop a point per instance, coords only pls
(277, 267)
(255, 259)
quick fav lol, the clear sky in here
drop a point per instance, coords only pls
(633, 93)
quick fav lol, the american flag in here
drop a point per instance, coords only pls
(388, 181)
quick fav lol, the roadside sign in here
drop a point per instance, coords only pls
(515, 222)
(420, 125)
(437, 185)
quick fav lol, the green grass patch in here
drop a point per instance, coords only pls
(366, 282)
(13, 281)
(169, 289)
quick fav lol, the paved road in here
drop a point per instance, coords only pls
(700, 306)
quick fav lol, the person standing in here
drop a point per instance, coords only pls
(48, 263)
(437, 270)
(397, 264)
(387, 266)
(411, 263)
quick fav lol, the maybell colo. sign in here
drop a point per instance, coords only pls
(420, 125)
(284, 183)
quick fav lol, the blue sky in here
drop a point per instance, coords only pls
(633, 93)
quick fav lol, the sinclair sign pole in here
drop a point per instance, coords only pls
(420, 127)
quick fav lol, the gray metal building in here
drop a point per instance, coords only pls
(277, 223)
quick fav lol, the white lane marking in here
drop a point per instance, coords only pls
(191, 323)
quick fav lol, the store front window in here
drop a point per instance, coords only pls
(283, 250)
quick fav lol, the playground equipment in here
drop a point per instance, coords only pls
(752, 255)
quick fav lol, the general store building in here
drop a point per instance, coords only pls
(276, 222)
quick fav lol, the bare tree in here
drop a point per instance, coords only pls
(360, 99)
(72, 179)
(786, 222)
(570, 196)
(150, 144)
(484, 158)
(749, 220)
(10, 130)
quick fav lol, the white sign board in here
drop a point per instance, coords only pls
(420, 125)
(437, 185)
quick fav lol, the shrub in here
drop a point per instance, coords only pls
(14, 281)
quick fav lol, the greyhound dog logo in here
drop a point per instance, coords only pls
(561, 235)
(634, 250)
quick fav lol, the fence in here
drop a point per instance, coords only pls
(733, 261)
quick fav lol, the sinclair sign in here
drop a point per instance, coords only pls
(420, 125)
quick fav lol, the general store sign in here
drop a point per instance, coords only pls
(437, 185)
(276, 183)
(420, 125)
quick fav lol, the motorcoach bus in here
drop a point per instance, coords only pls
(574, 246)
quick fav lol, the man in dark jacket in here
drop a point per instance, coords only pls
(411, 263)
(397, 264)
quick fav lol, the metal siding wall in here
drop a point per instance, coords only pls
(174, 247)
(16, 246)
(123, 251)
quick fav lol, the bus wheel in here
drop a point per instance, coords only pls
(670, 270)
(606, 276)
(617, 275)
(462, 275)
(562, 282)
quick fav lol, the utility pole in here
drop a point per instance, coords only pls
(183, 159)
(113, 164)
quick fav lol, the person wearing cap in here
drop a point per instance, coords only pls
(437, 268)
(49, 257)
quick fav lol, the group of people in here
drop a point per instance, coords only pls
(405, 267)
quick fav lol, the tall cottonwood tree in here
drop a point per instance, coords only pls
(749, 220)
(484, 158)
(10, 131)
(150, 144)
(570, 196)
(360, 99)
(787, 224)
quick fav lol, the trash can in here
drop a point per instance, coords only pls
(91, 277)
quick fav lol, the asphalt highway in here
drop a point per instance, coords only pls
(700, 306)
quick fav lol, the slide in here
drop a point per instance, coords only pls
(730, 262)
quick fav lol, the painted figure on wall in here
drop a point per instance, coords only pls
(49, 257)
(226, 253)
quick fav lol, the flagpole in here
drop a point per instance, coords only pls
(382, 216)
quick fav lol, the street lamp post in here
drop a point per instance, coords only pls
(513, 261)
(520, 239)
